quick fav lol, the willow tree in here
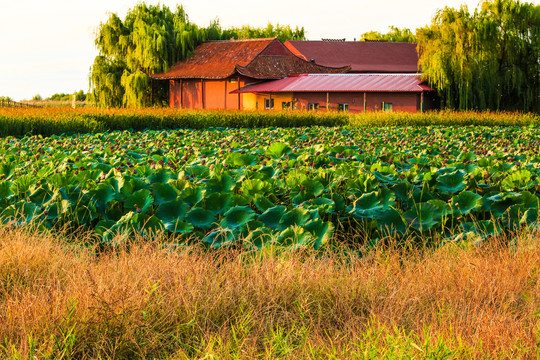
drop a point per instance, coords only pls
(282, 32)
(485, 60)
(152, 38)
(394, 35)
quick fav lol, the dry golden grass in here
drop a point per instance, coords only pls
(149, 301)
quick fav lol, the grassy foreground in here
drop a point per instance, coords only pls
(60, 301)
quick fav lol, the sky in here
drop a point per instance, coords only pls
(48, 47)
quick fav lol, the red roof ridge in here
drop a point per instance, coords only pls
(239, 40)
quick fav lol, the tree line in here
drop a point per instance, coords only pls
(487, 59)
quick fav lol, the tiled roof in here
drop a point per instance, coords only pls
(217, 59)
(278, 67)
(342, 83)
(362, 56)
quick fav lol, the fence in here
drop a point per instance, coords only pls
(15, 104)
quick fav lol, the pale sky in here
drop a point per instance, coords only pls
(47, 46)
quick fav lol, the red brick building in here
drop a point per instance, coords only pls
(261, 74)
(207, 79)
(349, 92)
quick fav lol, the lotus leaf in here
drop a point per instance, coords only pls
(140, 201)
(220, 239)
(237, 216)
(452, 182)
(278, 150)
(172, 211)
(201, 218)
(163, 192)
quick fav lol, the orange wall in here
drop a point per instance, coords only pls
(188, 94)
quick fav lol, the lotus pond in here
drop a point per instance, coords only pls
(295, 187)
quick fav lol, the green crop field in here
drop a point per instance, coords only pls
(294, 187)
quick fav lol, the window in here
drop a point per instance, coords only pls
(343, 107)
(286, 105)
(268, 103)
(386, 106)
(313, 106)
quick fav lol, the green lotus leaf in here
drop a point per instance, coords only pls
(198, 170)
(519, 180)
(262, 203)
(443, 209)
(255, 186)
(5, 189)
(529, 200)
(147, 224)
(451, 183)
(530, 217)
(103, 226)
(238, 159)
(390, 221)
(500, 202)
(338, 200)
(265, 172)
(259, 238)
(218, 203)
(22, 184)
(295, 179)
(220, 239)
(370, 204)
(102, 195)
(221, 184)
(237, 216)
(116, 182)
(295, 237)
(42, 195)
(272, 216)
(513, 215)
(164, 193)
(161, 176)
(422, 216)
(201, 218)
(21, 212)
(45, 171)
(278, 150)
(103, 167)
(84, 176)
(483, 228)
(133, 185)
(6, 169)
(172, 211)
(403, 191)
(192, 195)
(241, 199)
(55, 210)
(83, 214)
(322, 231)
(179, 227)
(312, 187)
(140, 199)
(323, 205)
(295, 216)
(465, 202)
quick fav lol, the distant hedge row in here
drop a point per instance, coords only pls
(51, 121)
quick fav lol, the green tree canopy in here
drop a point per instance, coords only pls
(485, 60)
(283, 33)
(394, 35)
(151, 37)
